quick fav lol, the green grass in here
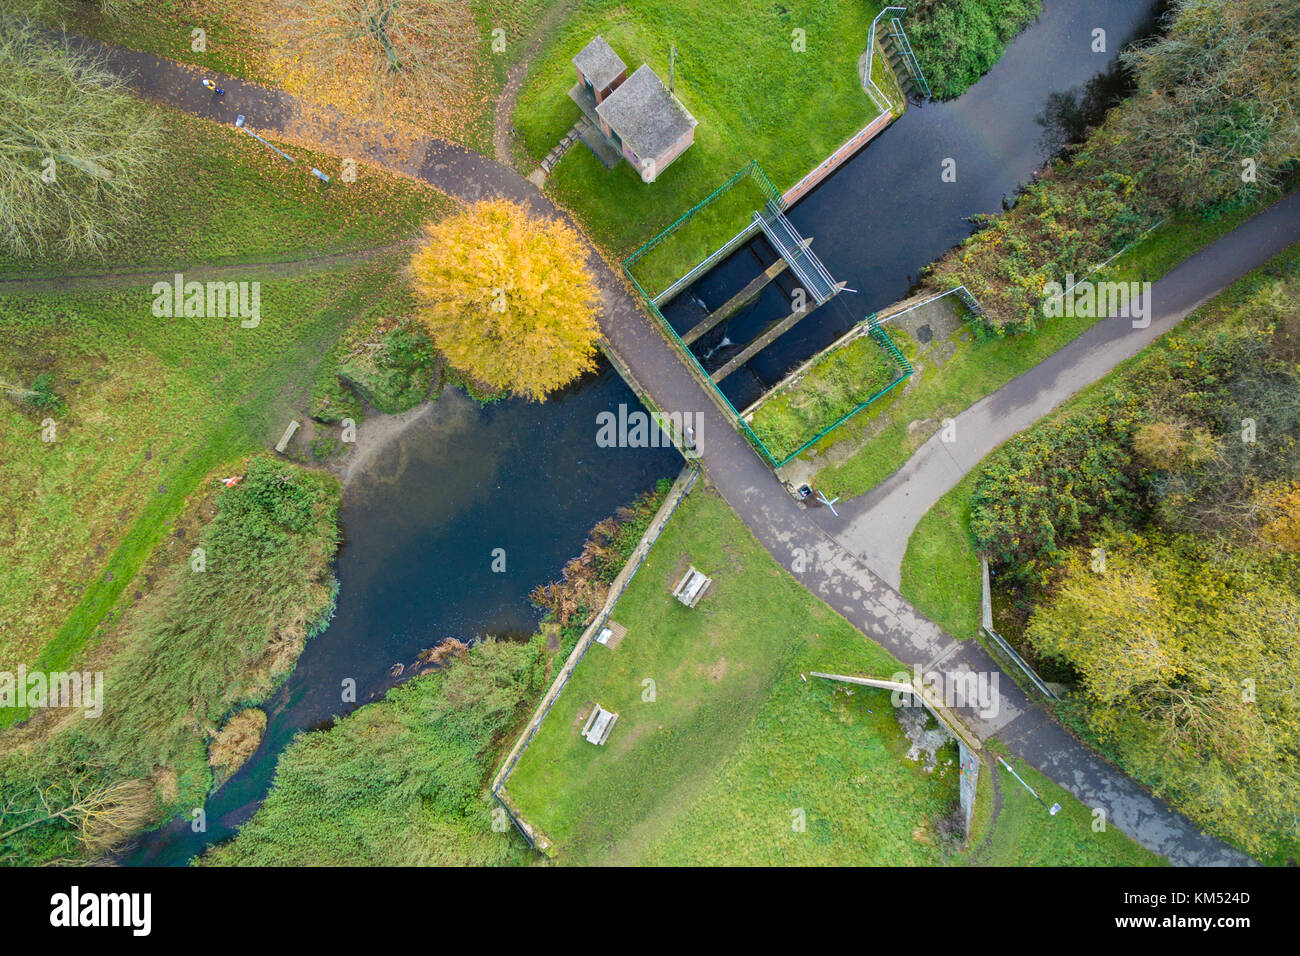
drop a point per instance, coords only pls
(974, 370)
(714, 674)
(754, 97)
(695, 239)
(831, 388)
(940, 575)
(153, 405)
(1025, 834)
(735, 743)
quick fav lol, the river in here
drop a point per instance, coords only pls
(422, 521)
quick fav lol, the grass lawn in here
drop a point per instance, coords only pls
(735, 748)
(695, 239)
(755, 98)
(154, 404)
(941, 569)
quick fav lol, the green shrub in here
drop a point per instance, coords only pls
(1046, 487)
(213, 637)
(958, 41)
(397, 374)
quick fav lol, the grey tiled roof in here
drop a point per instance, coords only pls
(599, 63)
(645, 115)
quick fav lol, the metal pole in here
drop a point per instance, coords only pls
(1054, 809)
(239, 122)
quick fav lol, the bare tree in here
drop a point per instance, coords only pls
(408, 48)
(103, 815)
(75, 147)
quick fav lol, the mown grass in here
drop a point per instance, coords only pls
(643, 796)
(940, 575)
(754, 97)
(735, 747)
(695, 239)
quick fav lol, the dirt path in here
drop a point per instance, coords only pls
(503, 115)
(22, 285)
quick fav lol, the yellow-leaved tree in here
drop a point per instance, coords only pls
(507, 297)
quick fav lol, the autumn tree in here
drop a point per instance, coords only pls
(75, 147)
(1216, 115)
(507, 298)
(1185, 652)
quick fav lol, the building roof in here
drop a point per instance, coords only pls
(599, 63)
(645, 115)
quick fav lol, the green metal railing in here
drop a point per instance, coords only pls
(873, 327)
(875, 330)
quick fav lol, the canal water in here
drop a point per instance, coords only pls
(886, 214)
(422, 522)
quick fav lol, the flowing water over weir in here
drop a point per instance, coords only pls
(886, 213)
(422, 522)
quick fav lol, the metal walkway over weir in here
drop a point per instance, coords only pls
(794, 249)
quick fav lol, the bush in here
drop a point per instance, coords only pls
(397, 373)
(958, 41)
(1047, 487)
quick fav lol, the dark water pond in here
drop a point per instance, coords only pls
(422, 523)
(886, 214)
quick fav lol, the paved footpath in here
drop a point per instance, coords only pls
(785, 528)
(876, 526)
